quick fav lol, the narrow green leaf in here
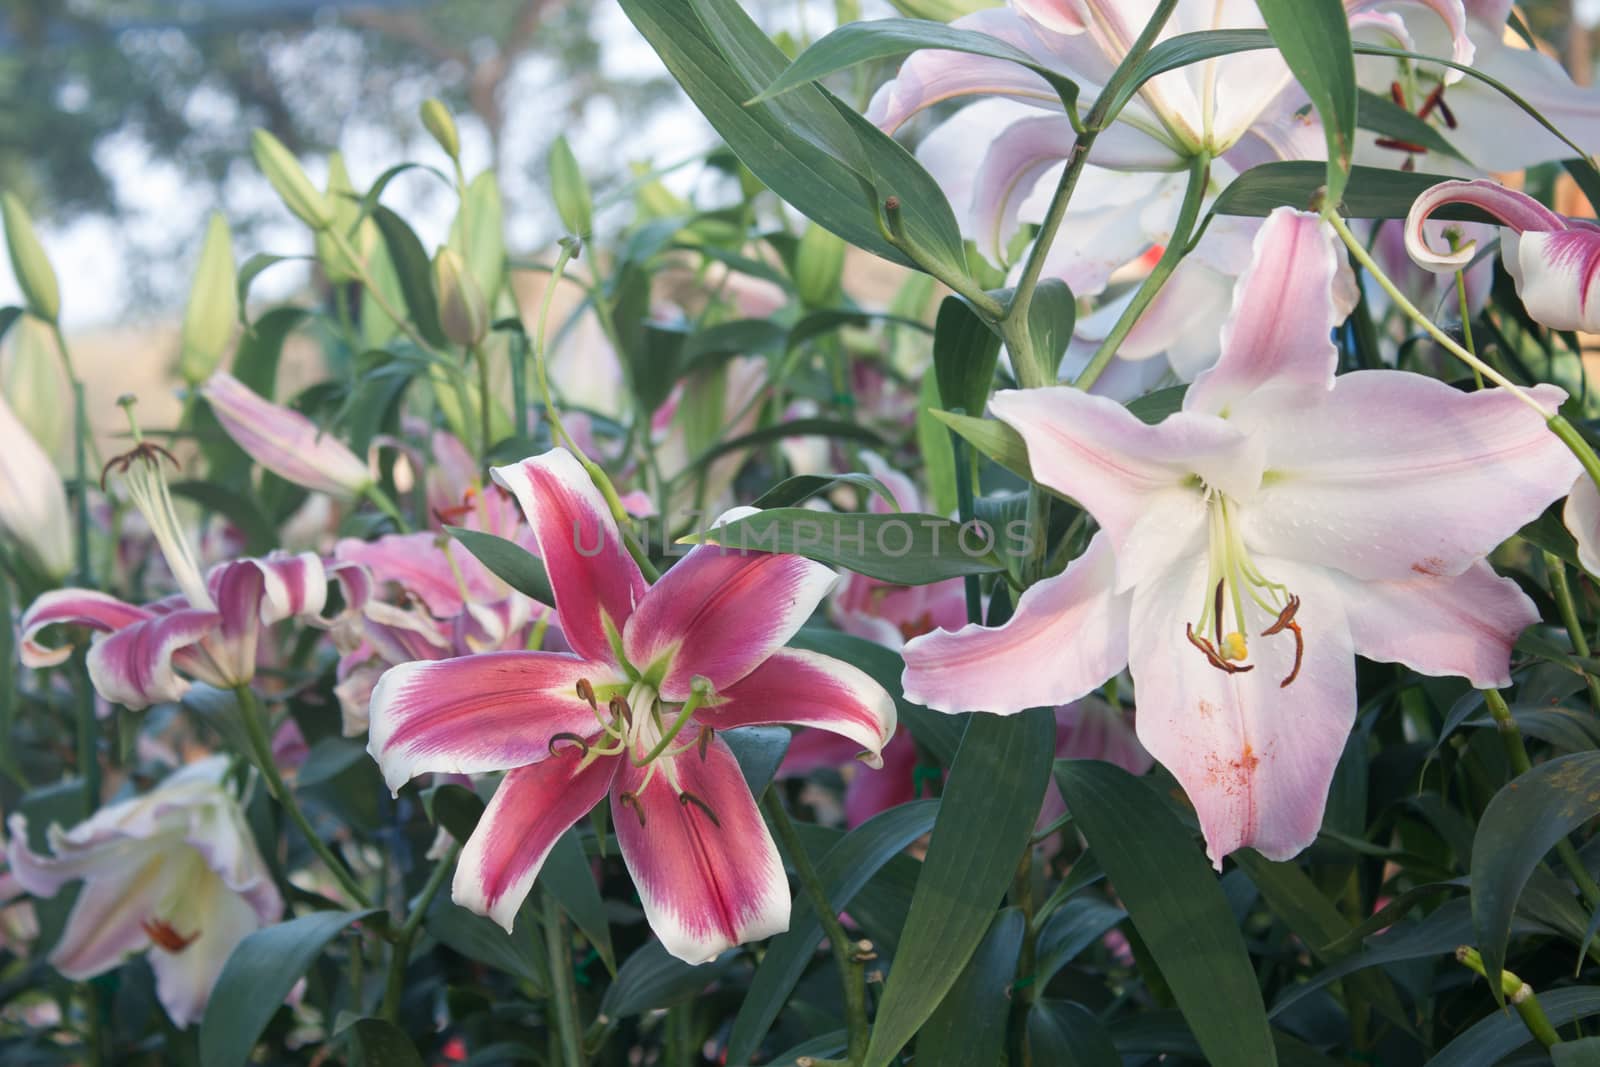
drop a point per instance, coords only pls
(1372, 192)
(327, 759)
(519, 953)
(803, 487)
(1176, 904)
(566, 877)
(990, 801)
(1383, 116)
(1522, 822)
(379, 1043)
(1584, 1052)
(759, 750)
(510, 562)
(965, 351)
(650, 979)
(1051, 317)
(256, 979)
(1314, 37)
(1073, 927)
(993, 438)
(968, 1028)
(1489, 1041)
(414, 270)
(1153, 407)
(1064, 1034)
(250, 271)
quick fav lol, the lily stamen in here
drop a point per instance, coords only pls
(1285, 621)
(583, 746)
(631, 800)
(1212, 655)
(166, 936)
(686, 798)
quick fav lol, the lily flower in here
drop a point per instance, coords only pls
(174, 874)
(284, 441)
(1253, 543)
(209, 630)
(1553, 260)
(633, 712)
(33, 504)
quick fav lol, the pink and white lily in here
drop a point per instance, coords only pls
(174, 874)
(633, 712)
(284, 441)
(1252, 544)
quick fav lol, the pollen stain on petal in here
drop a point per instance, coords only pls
(1233, 776)
(1207, 709)
(1432, 566)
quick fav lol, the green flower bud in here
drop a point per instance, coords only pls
(213, 306)
(438, 121)
(32, 379)
(35, 276)
(341, 194)
(289, 180)
(818, 266)
(463, 313)
(571, 192)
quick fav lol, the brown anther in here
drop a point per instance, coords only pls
(1434, 99)
(1399, 145)
(1397, 94)
(148, 451)
(1212, 655)
(1285, 621)
(620, 710)
(1216, 607)
(1285, 617)
(586, 692)
(686, 798)
(631, 800)
(165, 936)
(1299, 654)
(1448, 115)
(703, 743)
(582, 745)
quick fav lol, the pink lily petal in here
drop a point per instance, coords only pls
(419, 564)
(1298, 262)
(1582, 518)
(1135, 479)
(1388, 477)
(293, 586)
(596, 582)
(1016, 159)
(720, 612)
(1092, 729)
(811, 750)
(1069, 634)
(1559, 277)
(133, 667)
(479, 713)
(870, 792)
(1461, 626)
(1058, 16)
(808, 689)
(707, 872)
(356, 590)
(1518, 211)
(1255, 757)
(1451, 14)
(531, 809)
(285, 441)
(218, 920)
(71, 607)
(1495, 133)
(399, 636)
(104, 927)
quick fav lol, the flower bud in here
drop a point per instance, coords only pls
(330, 253)
(818, 266)
(284, 441)
(283, 170)
(463, 313)
(35, 277)
(33, 503)
(208, 322)
(438, 121)
(32, 379)
(571, 192)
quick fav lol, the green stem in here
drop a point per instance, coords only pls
(851, 969)
(1466, 319)
(88, 733)
(81, 443)
(250, 712)
(395, 985)
(374, 492)
(485, 432)
(1519, 993)
(1171, 256)
(563, 992)
(1557, 570)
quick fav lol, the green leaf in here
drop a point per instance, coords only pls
(1549, 533)
(1153, 407)
(758, 750)
(1176, 905)
(327, 759)
(519, 953)
(905, 548)
(1584, 1052)
(968, 1029)
(993, 438)
(1073, 927)
(1314, 37)
(1051, 317)
(415, 271)
(1383, 116)
(836, 428)
(454, 807)
(566, 876)
(1372, 193)
(965, 351)
(510, 562)
(843, 870)
(379, 1043)
(803, 487)
(250, 271)
(1490, 1040)
(1066, 1035)
(862, 42)
(937, 450)
(991, 800)
(1522, 822)
(256, 979)
(650, 979)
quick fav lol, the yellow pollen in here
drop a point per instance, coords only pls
(1233, 647)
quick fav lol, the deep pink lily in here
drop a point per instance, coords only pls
(633, 711)
(1256, 541)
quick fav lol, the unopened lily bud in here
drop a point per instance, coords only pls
(32, 380)
(284, 441)
(818, 266)
(35, 277)
(438, 121)
(336, 264)
(33, 503)
(283, 170)
(463, 313)
(570, 190)
(208, 322)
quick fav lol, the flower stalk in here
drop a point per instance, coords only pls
(563, 992)
(400, 956)
(1556, 568)
(1520, 995)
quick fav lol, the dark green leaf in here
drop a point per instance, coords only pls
(1490, 1040)
(1584, 1052)
(968, 1028)
(329, 758)
(250, 271)
(1314, 37)
(1073, 927)
(803, 487)
(566, 876)
(1064, 1034)
(377, 1043)
(1176, 905)
(965, 351)
(510, 562)
(415, 272)
(1373, 192)
(256, 979)
(759, 750)
(1051, 317)
(1522, 822)
(650, 979)
(240, 510)
(1383, 116)
(991, 800)
(1153, 407)
(455, 808)
(1549, 533)
(993, 438)
(518, 953)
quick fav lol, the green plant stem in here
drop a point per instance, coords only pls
(88, 733)
(485, 431)
(1519, 993)
(400, 955)
(563, 992)
(1557, 570)
(851, 970)
(1466, 320)
(82, 441)
(374, 492)
(1150, 288)
(250, 712)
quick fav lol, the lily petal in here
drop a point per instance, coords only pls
(1388, 477)
(479, 713)
(531, 809)
(285, 441)
(808, 689)
(133, 667)
(708, 874)
(1559, 277)
(1516, 210)
(1069, 634)
(218, 919)
(105, 925)
(720, 612)
(1582, 519)
(419, 564)
(71, 607)
(596, 582)
(1462, 626)
(1255, 757)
